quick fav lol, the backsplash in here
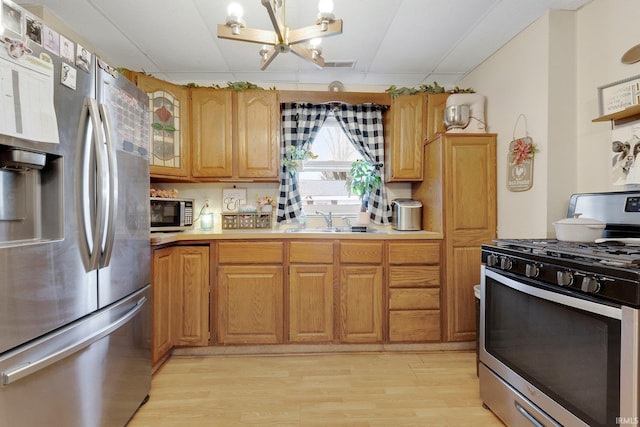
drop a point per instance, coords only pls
(213, 193)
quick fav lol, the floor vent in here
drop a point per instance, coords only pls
(340, 64)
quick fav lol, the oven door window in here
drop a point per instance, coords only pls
(572, 355)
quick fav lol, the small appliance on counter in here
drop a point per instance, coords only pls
(406, 215)
(170, 214)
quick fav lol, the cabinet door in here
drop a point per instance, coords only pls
(311, 303)
(404, 134)
(169, 109)
(258, 118)
(191, 297)
(164, 274)
(250, 304)
(470, 209)
(436, 104)
(361, 304)
(212, 124)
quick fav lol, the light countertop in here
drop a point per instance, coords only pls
(383, 233)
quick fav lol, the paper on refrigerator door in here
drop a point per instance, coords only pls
(27, 106)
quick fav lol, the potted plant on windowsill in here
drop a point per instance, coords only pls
(294, 155)
(362, 180)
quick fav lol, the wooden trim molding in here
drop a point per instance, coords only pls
(317, 97)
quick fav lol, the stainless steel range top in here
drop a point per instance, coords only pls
(611, 252)
(608, 271)
(603, 272)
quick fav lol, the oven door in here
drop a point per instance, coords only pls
(562, 353)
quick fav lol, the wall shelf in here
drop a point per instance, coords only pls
(621, 117)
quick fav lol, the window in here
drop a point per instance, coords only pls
(322, 180)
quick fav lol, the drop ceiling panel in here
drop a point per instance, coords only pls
(424, 31)
(401, 42)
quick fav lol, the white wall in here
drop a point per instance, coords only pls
(550, 72)
(607, 29)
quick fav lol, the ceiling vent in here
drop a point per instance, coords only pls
(345, 65)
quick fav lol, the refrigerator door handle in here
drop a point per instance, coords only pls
(90, 165)
(12, 375)
(111, 204)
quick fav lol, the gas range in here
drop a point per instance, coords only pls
(597, 271)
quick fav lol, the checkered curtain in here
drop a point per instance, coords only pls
(300, 125)
(363, 125)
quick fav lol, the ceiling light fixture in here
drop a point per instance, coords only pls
(303, 42)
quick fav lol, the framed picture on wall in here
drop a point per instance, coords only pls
(12, 19)
(232, 198)
(619, 95)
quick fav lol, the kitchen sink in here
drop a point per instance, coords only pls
(332, 230)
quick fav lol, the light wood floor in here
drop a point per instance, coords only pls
(364, 389)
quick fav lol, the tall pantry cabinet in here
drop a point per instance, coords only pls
(459, 198)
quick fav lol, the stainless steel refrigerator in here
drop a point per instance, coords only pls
(74, 234)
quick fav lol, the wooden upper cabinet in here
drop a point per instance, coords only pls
(258, 117)
(212, 125)
(404, 134)
(170, 122)
(410, 121)
(436, 104)
(235, 134)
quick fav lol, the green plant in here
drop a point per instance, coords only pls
(434, 88)
(362, 180)
(293, 155)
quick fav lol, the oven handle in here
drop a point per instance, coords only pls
(528, 415)
(580, 304)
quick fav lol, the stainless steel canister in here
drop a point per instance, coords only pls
(406, 215)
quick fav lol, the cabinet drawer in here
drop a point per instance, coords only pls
(414, 253)
(412, 299)
(314, 252)
(415, 325)
(417, 276)
(250, 252)
(361, 252)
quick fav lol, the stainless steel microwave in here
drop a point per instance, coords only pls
(168, 214)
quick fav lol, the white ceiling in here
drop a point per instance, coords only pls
(393, 42)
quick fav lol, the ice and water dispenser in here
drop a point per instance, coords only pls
(32, 197)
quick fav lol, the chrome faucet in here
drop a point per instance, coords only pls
(327, 217)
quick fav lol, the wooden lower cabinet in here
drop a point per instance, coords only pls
(310, 303)
(190, 305)
(361, 292)
(250, 292)
(164, 274)
(298, 291)
(180, 298)
(311, 292)
(250, 304)
(361, 304)
(414, 292)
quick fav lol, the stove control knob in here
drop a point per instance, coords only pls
(591, 285)
(492, 260)
(506, 263)
(532, 270)
(564, 278)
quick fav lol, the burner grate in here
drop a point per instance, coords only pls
(608, 253)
